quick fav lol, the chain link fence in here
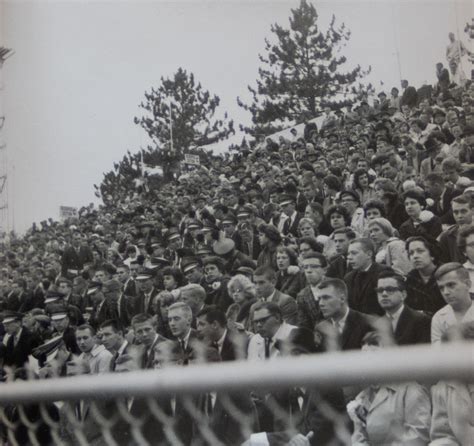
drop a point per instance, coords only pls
(310, 399)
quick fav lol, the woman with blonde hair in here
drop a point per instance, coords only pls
(391, 251)
(242, 291)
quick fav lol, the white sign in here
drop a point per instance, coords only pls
(67, 212)
(192, 159)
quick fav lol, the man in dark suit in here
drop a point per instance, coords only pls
(130, 287)
(75, 256)
(105, 303)
(265, 281)
(442, 196)
(65, 288)
(314, 265)
(212, 329)
(148, 292)
(146, 335)
(463, 216)
(180, 317)
(407, 326)
(20, 342)
(362, 280)
(114, 341)
(338, 267)
(216, 282)
(343, 328)
(290, 225)
(298, 409)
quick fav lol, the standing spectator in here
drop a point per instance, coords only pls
(75, 256)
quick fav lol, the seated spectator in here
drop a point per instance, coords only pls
(454, 283)
(453, 406)
(290, 280)
(420, 221)
(391, 250)
(406, 325)
(423, 293)
(390, 414)
(97, 357)
(242, 291)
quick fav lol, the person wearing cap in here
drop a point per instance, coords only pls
(228, 225)
(216, 282)
(250, 245)
(233, 258)
(62, 326)
(289, 224)
(148, 292)
(192, 270)
(105, 303)
(454, 283)
(19, 341)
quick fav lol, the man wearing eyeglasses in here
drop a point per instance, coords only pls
(270, 327)
(405, 324)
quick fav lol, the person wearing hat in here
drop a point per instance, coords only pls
(105, 303)
(228, 225)
(226, 249)
(148, 292)
(54, 297)
(215, 282)
(289, 225)
(174, 242)
(62, 326)
(19, 341)
(269, 238)
(192, 269)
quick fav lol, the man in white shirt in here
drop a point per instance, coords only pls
(96, 355)
(270, 327)
(454, 283)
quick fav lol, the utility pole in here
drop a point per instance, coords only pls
(5, 224)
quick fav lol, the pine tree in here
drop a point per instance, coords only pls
(190, 110)
(302, 73)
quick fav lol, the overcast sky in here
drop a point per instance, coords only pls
(80, 70)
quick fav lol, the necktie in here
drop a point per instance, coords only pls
(267, 347)
(215, 345)
(209, 408)
(78, 411)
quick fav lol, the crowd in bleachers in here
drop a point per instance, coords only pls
(358, 234)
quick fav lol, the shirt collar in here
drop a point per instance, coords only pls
(220, 342)
(122, 347)
(97, 349)
(395, 316)
(343, 319)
